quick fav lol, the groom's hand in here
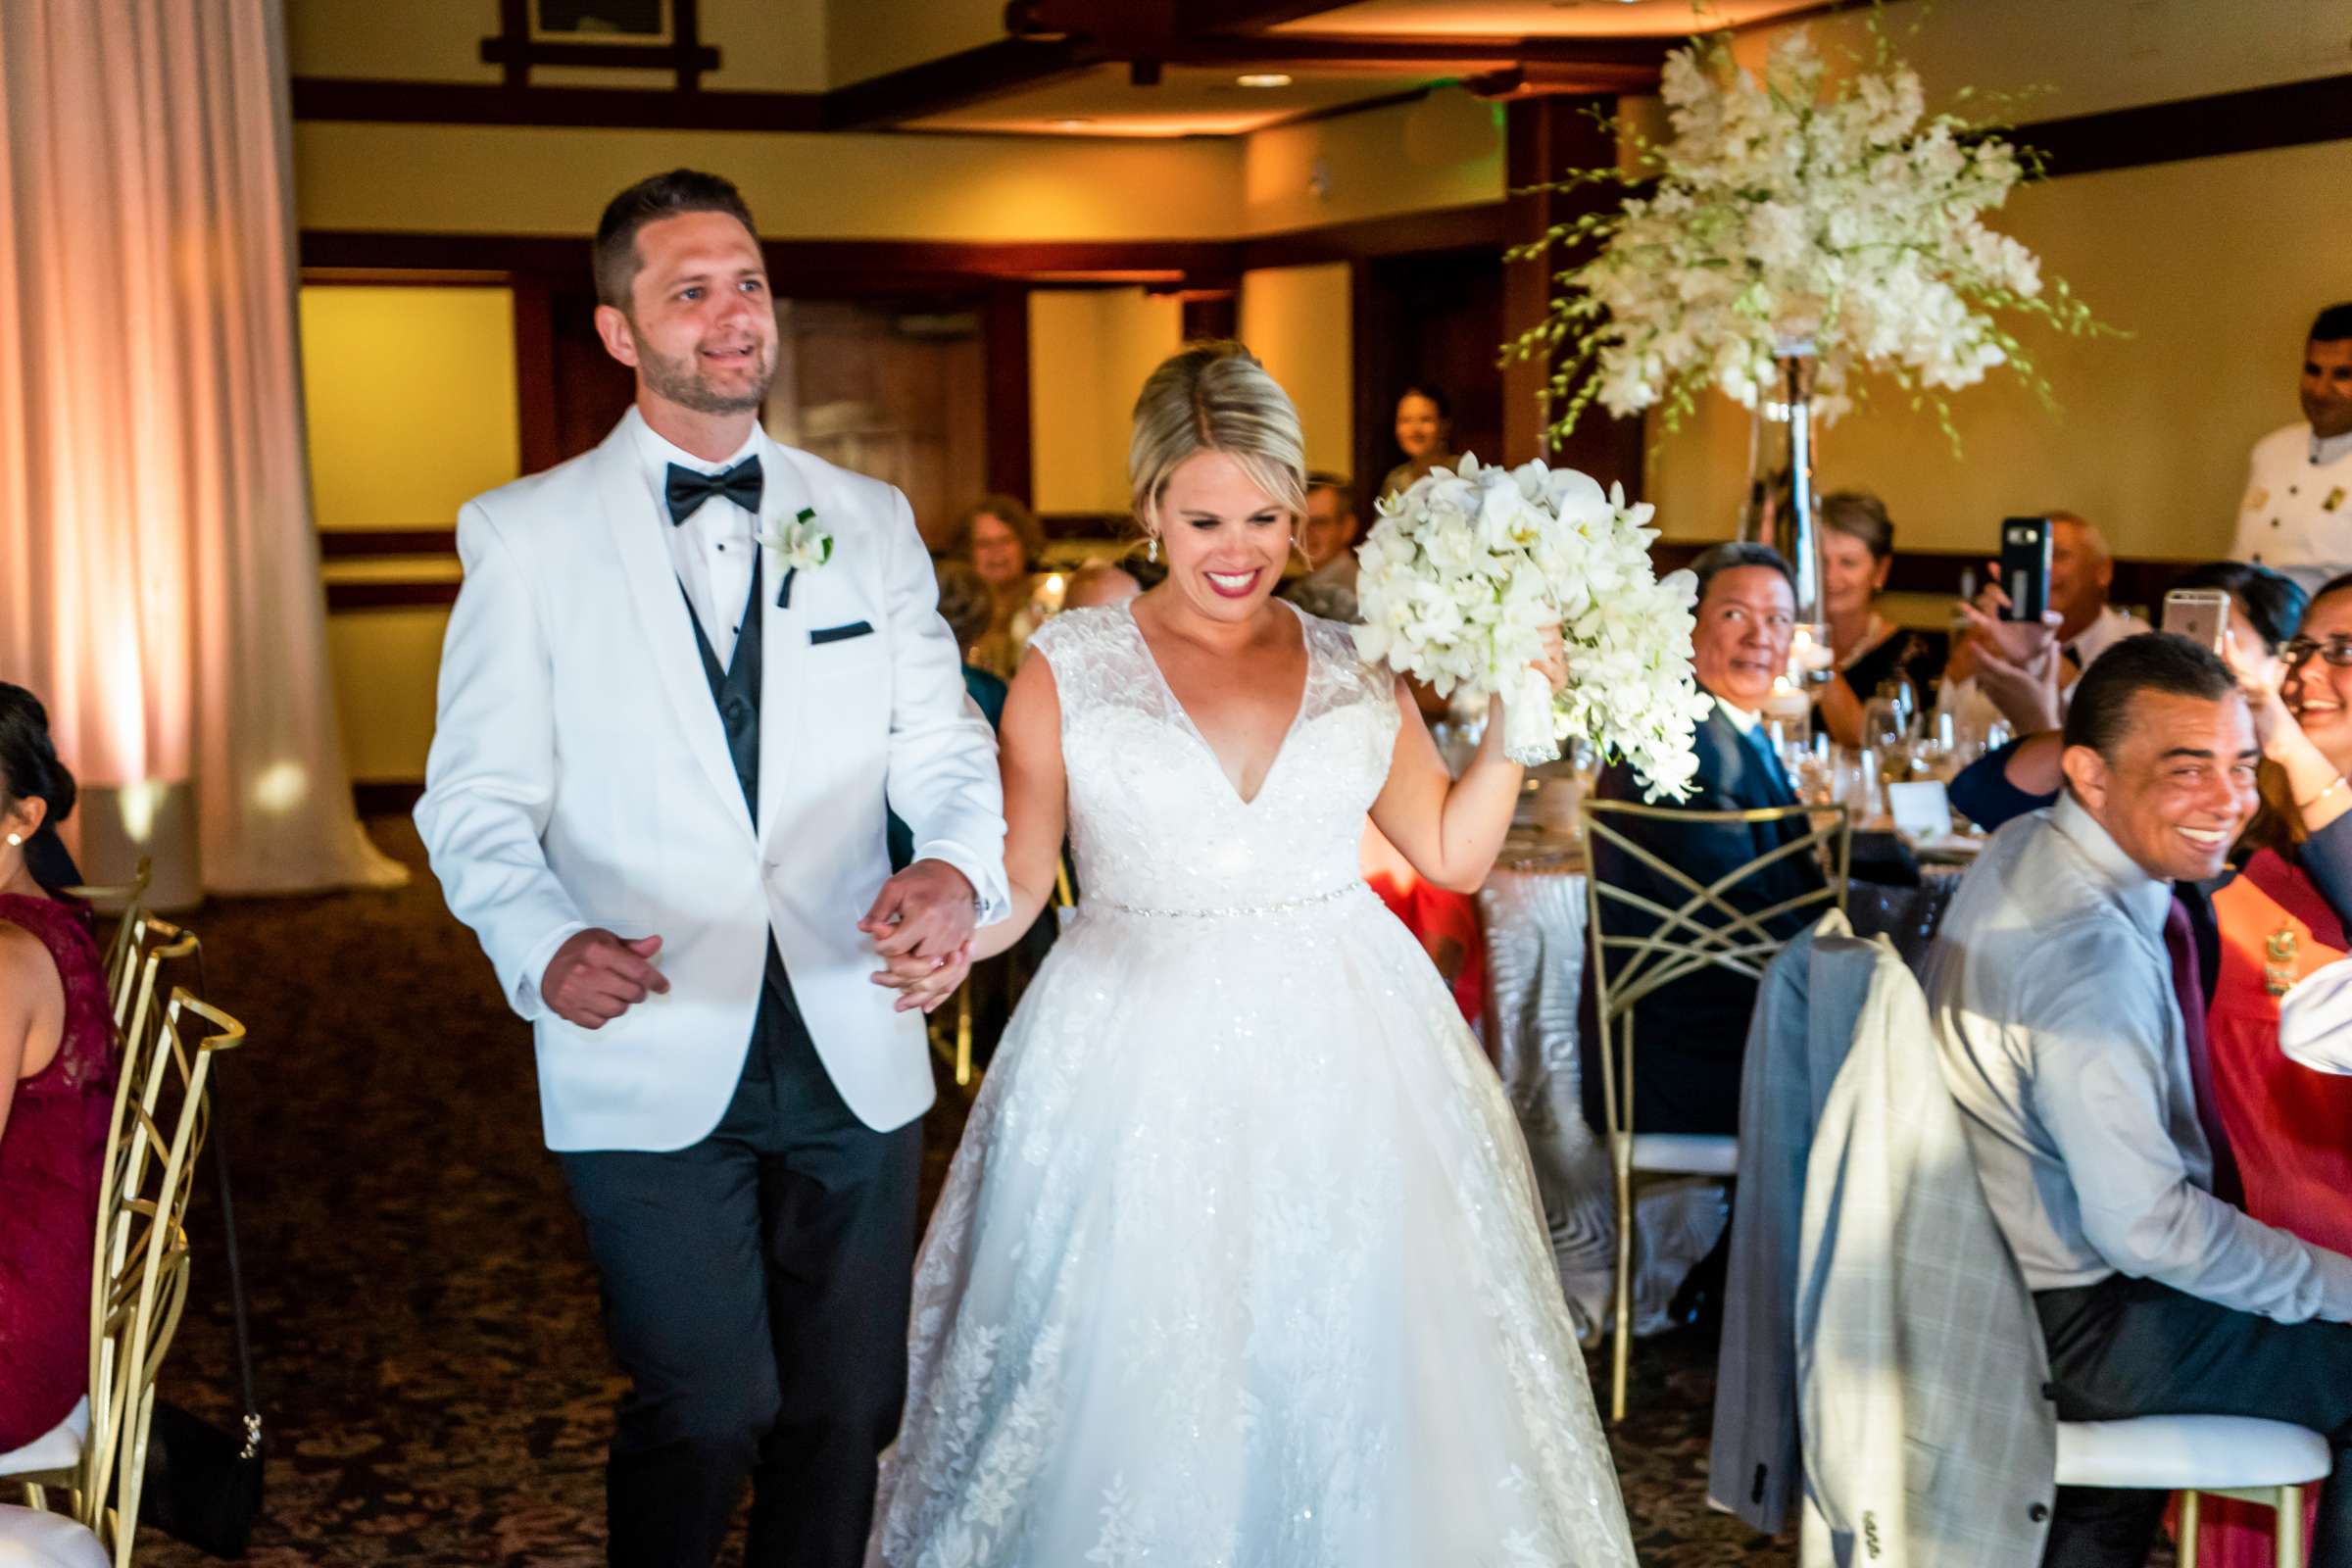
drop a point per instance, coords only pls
(597, 976)
(927, 910)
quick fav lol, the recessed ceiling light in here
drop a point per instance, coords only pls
(1263, 79)
(1070, 123)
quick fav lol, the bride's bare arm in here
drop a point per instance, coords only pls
(1036, 802)
(1449, 828)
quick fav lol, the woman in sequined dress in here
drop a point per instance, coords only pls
(1240, 1260)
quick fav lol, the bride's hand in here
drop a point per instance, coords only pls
(922, 982)
(1555, 660)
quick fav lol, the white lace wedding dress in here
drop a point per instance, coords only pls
(1240, 1263)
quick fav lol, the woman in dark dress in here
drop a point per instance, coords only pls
(1857, 548)
(57, 1078)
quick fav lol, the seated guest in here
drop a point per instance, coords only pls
(2054, 999)
(2266, 609)
(1111, 582)
(57, 1071)
(1003, 541)
(1327, 537)
(2081, 572)
(1857, 548)
(1424, 434)
(1689, 1034)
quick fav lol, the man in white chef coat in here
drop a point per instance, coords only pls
(2296, 517)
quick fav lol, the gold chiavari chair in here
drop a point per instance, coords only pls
(141, 1281)
(1702, 929)
(127, 902)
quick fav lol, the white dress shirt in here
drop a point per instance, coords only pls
(2052, 1001)
(715, 548)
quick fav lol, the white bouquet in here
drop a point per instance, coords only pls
(1464, 571)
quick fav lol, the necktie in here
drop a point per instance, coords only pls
(686, 490)
(2188, 988)
(1761, 743)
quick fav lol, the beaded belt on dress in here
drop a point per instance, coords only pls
(1287, 906)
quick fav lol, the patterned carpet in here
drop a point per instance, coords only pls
(427, 1349)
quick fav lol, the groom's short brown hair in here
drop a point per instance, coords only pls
(681, 190)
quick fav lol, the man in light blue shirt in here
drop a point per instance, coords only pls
(2054, 1008)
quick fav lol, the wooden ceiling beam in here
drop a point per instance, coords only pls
(1604, 57)
(968, 76)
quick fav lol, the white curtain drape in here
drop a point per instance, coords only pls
(159, 574)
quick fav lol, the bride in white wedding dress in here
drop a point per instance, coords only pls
(1241, 1262)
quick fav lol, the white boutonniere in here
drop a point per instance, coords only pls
(801, 545)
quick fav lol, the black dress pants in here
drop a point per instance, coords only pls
(755, 1288)
(2126, 1347)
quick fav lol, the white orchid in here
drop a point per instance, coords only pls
(1793, 209)
(1463, 574)
(801, 544)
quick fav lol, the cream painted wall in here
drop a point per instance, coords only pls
(868, 37)
(2215, 266)
(509, 179)
(1298, 321)
(410, 401)
(1090, 351)
(1444, 150)
(385, 664)
(2078, 56)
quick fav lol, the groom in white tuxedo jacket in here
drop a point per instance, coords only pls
(686, 675)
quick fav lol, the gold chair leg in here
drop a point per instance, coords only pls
(2185, 1536)
(1621, 1352)
(963, 1035)
(2289, 1528)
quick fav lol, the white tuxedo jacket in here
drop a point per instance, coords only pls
(579, 777)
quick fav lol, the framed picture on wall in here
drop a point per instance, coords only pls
(624, 22)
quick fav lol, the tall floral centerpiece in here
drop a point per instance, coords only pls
(1802, 227)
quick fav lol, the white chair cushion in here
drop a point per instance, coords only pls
(32, 1539)
(58, 1449)
(2186, 1453)
(1687, 1153)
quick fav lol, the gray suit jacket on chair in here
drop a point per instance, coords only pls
(1805, 1010)
(1920, 1360)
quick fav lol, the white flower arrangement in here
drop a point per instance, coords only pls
(1794, 214)
(801, 545)
(1462, 573)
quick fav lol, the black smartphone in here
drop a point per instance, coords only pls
(2025, 567)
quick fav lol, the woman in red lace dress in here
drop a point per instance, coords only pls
(57, 1074)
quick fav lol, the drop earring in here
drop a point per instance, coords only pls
(1151, 551)
(15, 839)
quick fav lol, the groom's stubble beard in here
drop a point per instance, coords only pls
(681, 380)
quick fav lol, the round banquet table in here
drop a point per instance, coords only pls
(1533, 914)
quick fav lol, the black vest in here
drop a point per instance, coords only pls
(736, 691)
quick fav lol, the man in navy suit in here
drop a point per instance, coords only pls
(1691, 1035)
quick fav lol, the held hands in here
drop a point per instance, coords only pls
(597, 976)
(921, 923)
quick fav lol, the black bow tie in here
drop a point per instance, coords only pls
(686, 489)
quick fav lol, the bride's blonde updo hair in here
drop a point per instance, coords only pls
(1216, 397)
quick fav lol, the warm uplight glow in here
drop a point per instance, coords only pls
(1263, 78)
(280, 787)
(138, 804)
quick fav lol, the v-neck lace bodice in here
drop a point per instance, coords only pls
(1155, 821)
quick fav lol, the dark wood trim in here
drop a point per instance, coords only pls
(377, 797)
(2290, 114)
(1004, 400)
(492, 104)
(1369, 409)
(400, 277)
(1486, 226)
(1210, 314)
(538, 437)
(951, 81)
(342, 544)
(1092, 526)
(1622, 64)
(344, 596)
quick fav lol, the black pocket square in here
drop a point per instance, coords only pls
(839, 634)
